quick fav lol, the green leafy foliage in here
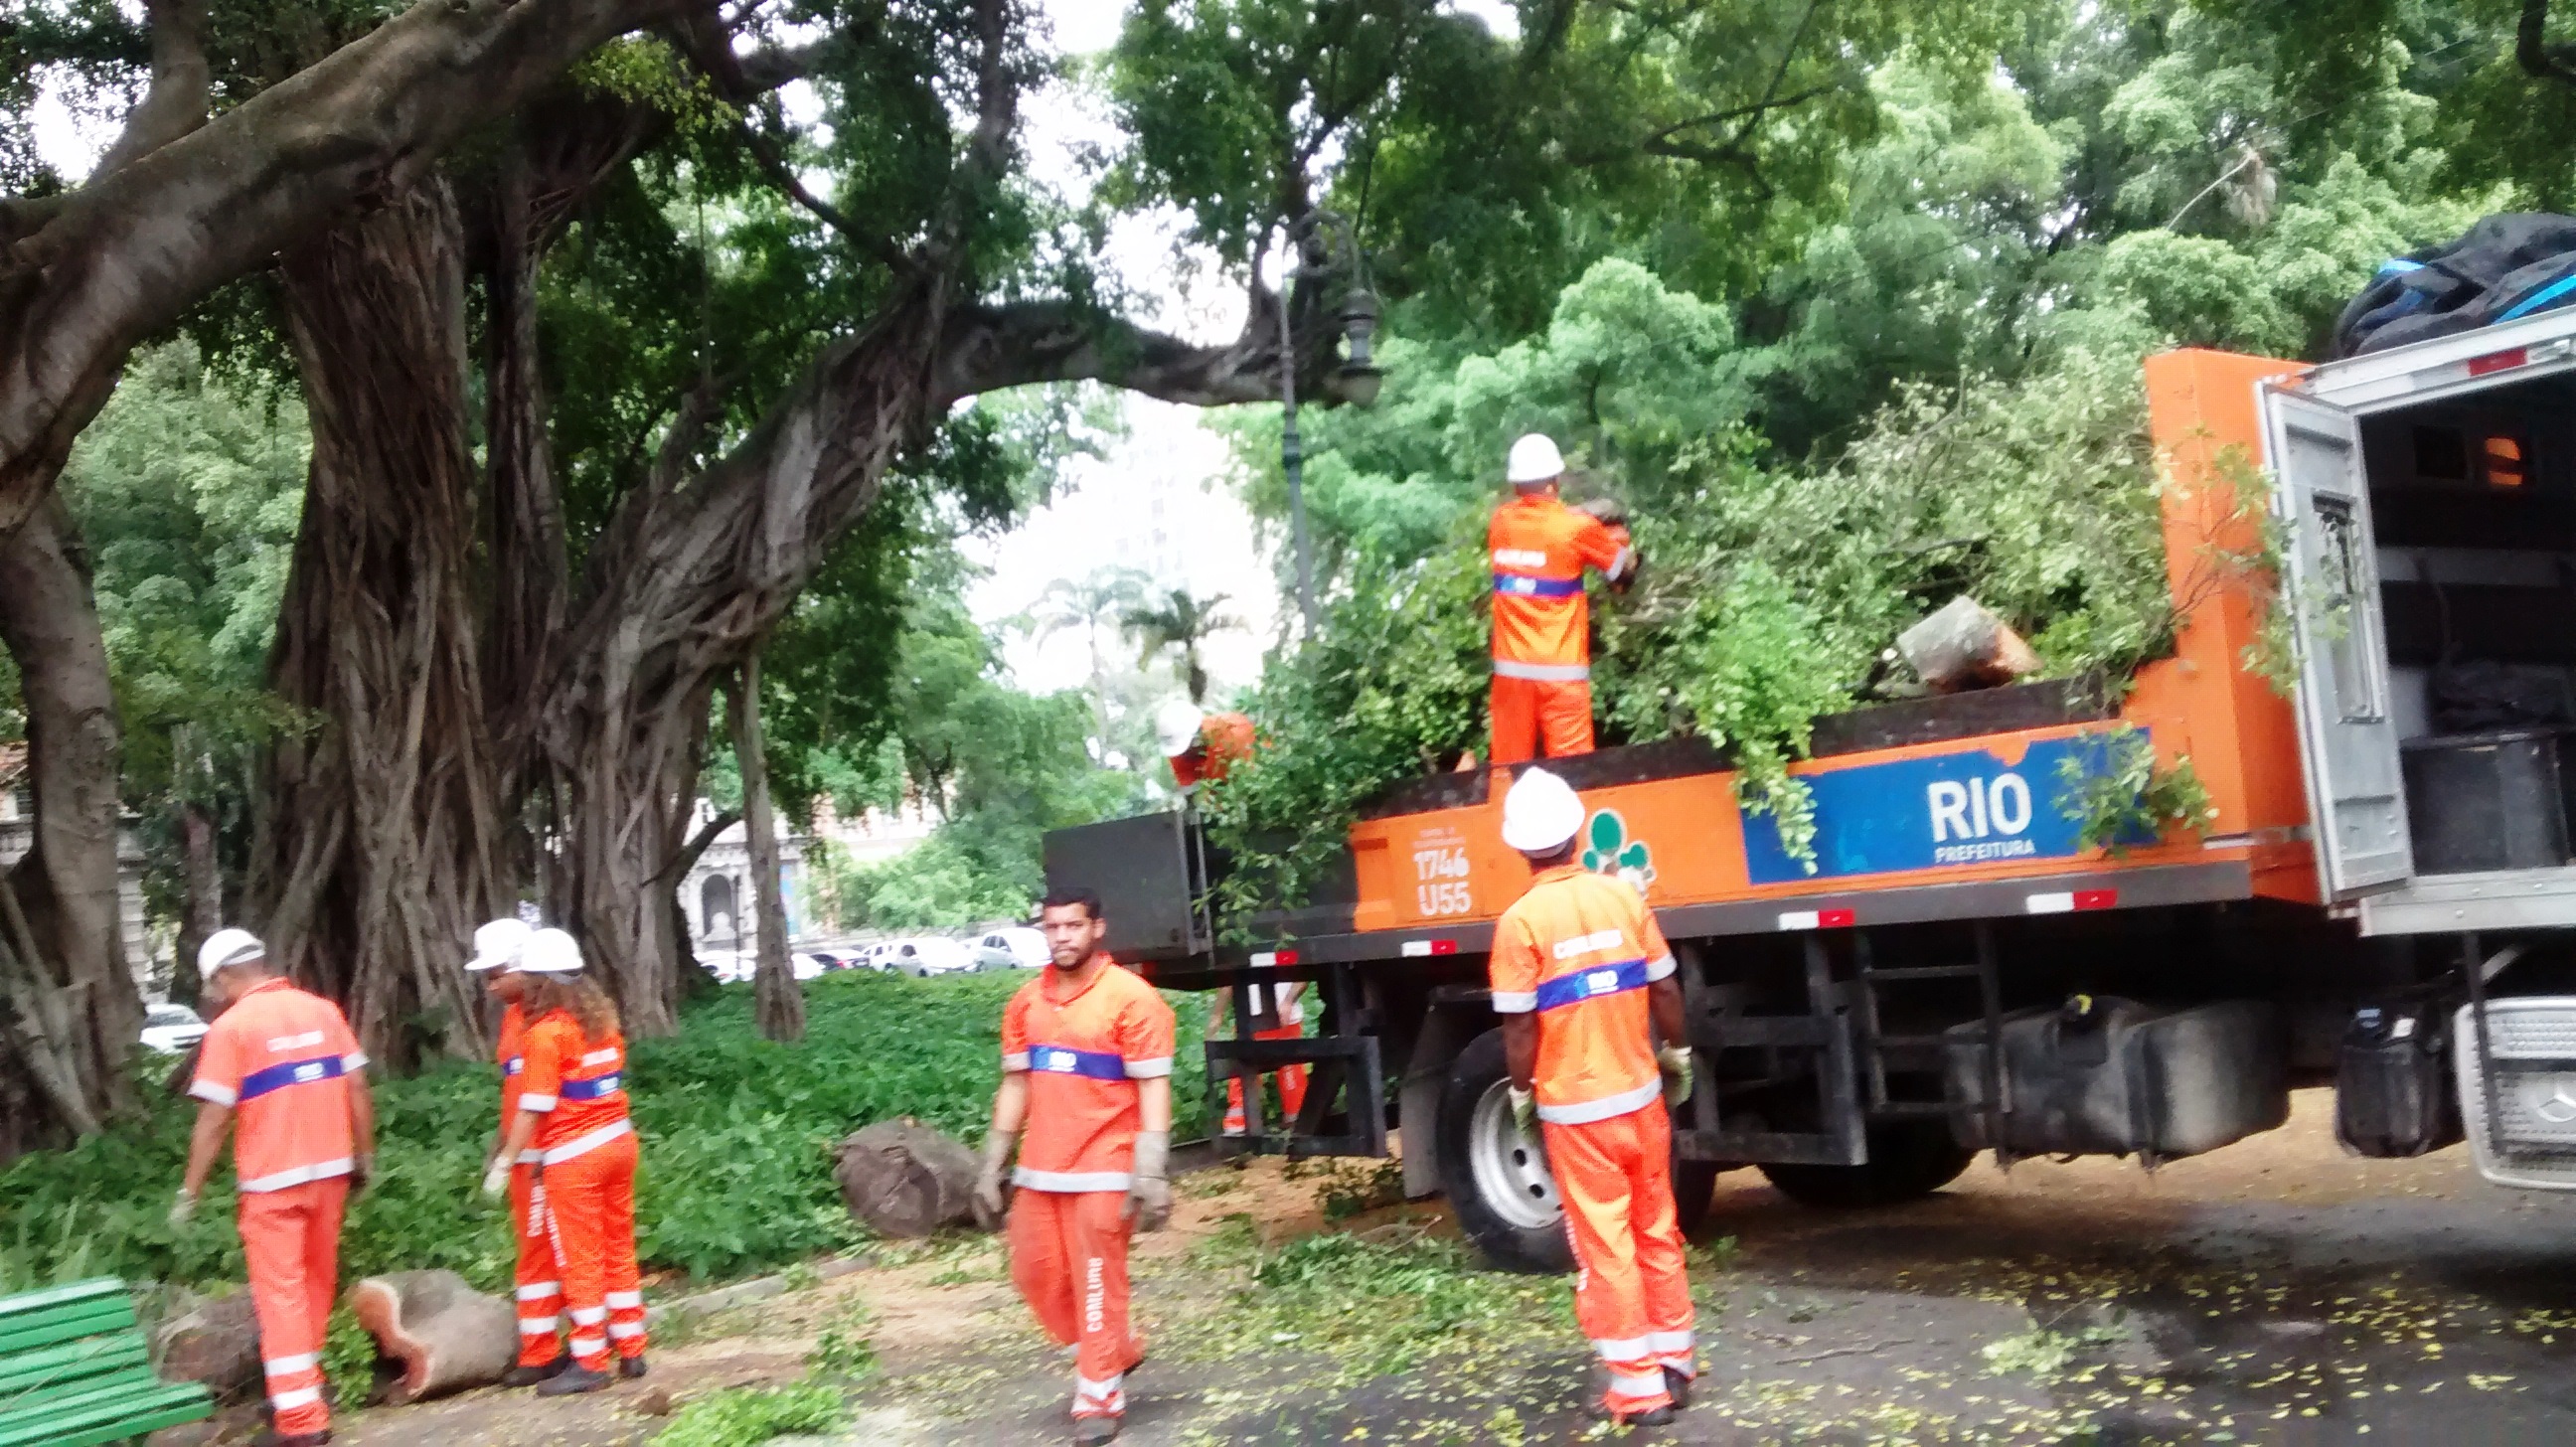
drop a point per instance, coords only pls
(747, 1416)
(737, 1147)
(1385, 1302)
(2119, 795)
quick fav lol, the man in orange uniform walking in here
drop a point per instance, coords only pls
(497, 948)
(1087, 1069)
(281, 1070)
(1583, 981)
(1542, 620)
(1200, 746)
(572, 1111)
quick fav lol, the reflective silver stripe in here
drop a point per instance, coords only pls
(531, 1157)
(354, 1060)
(589, 1315)
(1015, 1060)
(537, 1325)
(625, 1330)
(1670, 1341)
(1620, 565)
(1085, 1387)
(536, 1104)
(1649, 1385)
(300, 1362)
(207, 1090)
(297, 1177)
(1622, 1349)
(1515, 1002)
(1071, 1180)
(584, 1145)
(1588, 1111)
(540, 1291)
(620, 1299)
(599, 1057)
(1660, 968)
(589, 1346)
(1149, 1069)
(1542, 672)
(300, 1397)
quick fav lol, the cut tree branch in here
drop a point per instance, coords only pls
(181, 81)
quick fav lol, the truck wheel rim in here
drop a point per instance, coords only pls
(1511, 1172)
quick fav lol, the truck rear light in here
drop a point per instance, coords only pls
(1796, 919)
(2504, 361)
(2070, 901)
(1417, 948)
(1268, 958)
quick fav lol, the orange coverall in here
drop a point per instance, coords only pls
(1083, 1056)
(586, 1164)
(540, 1284)
(281, 1059)
(1292, 1079)
(1580, 949)
(1223, 738)
(1543, 624)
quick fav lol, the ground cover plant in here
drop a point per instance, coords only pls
(738, 1134)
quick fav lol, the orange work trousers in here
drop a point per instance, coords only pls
(590, 1206)
(540, 1282)
(1632, 1293)
(1528, 712)
(291, 1242)
(1069, 1259)
(1292, 1084)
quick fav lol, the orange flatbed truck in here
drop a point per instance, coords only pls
(2382, 891)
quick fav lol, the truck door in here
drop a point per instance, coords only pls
(2356, 793)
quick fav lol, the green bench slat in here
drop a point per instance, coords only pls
(97, 1288)
(112, 1417)
(125, 1381)
(71, 1323)
(92, 1357)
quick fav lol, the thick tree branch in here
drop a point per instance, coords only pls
(128, 254)
(176, 102)
(988, 348)
(2532, 50)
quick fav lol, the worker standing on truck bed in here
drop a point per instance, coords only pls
(539, 1280)
(1201, 746)
(1583, 981)
(281, 1069)
(1542, 620)
(1087, 1071)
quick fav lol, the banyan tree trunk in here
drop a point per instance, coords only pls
(385, 846)
(778, 1002)
(69, 1011)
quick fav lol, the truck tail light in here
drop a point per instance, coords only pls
(1418, 948)
(1268, 958)
(2071, 901)
(2504, 361)
(1803, 919)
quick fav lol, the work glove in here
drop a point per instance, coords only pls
(496, 1178)
(183, 1208)
(992, 1185)
(1525, 1111)
(361, 1171)
(1149, 1194)
(1675, 1062)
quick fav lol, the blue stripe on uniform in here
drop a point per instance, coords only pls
(1592, 983)
(1065, 1060)
(514, 1065)
(1514, 586)
(286, 1073)
(600, 1089)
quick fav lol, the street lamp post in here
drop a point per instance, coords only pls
(1358, 375)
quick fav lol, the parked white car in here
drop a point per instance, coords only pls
(730, 967)
(927, 955)
(1015, 948)
(171, 1029)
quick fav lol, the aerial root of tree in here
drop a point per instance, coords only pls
(385, 843)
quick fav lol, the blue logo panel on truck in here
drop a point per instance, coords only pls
(1951, 809)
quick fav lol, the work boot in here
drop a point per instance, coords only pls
(530, 1376)
(1092, 1431)
(631, 1367)
(1677, 1387)
(1658, 1417)
(573, 1381)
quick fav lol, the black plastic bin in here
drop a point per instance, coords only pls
(2487, 801)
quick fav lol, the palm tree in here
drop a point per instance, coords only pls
(1177, 621)
(1102, 599)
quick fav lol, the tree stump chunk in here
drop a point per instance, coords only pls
(213, 1341)
(1964, 647)
(443, 1334)
(906, 1179)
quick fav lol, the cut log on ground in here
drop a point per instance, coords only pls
(445, 1335)
(905, 1179)
(213, 1341)
(1964, 647)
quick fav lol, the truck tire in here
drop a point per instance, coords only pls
(1694, 1192)
(1907, 1160)
(1497, 1178)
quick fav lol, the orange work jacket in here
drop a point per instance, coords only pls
(1542, 621)
(1579, 950)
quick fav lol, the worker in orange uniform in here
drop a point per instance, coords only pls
(1584, 982)
(281, 1070)
(1201, 746)
(1283, 1002)
(1087, 1095)
(497, 948)
(572, 1112)
(1542, 620)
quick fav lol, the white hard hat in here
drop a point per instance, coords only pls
(1540, 813)
(226, 948)
(497, 945)
(1176, 727)
(550, 952)
(1535, 459)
